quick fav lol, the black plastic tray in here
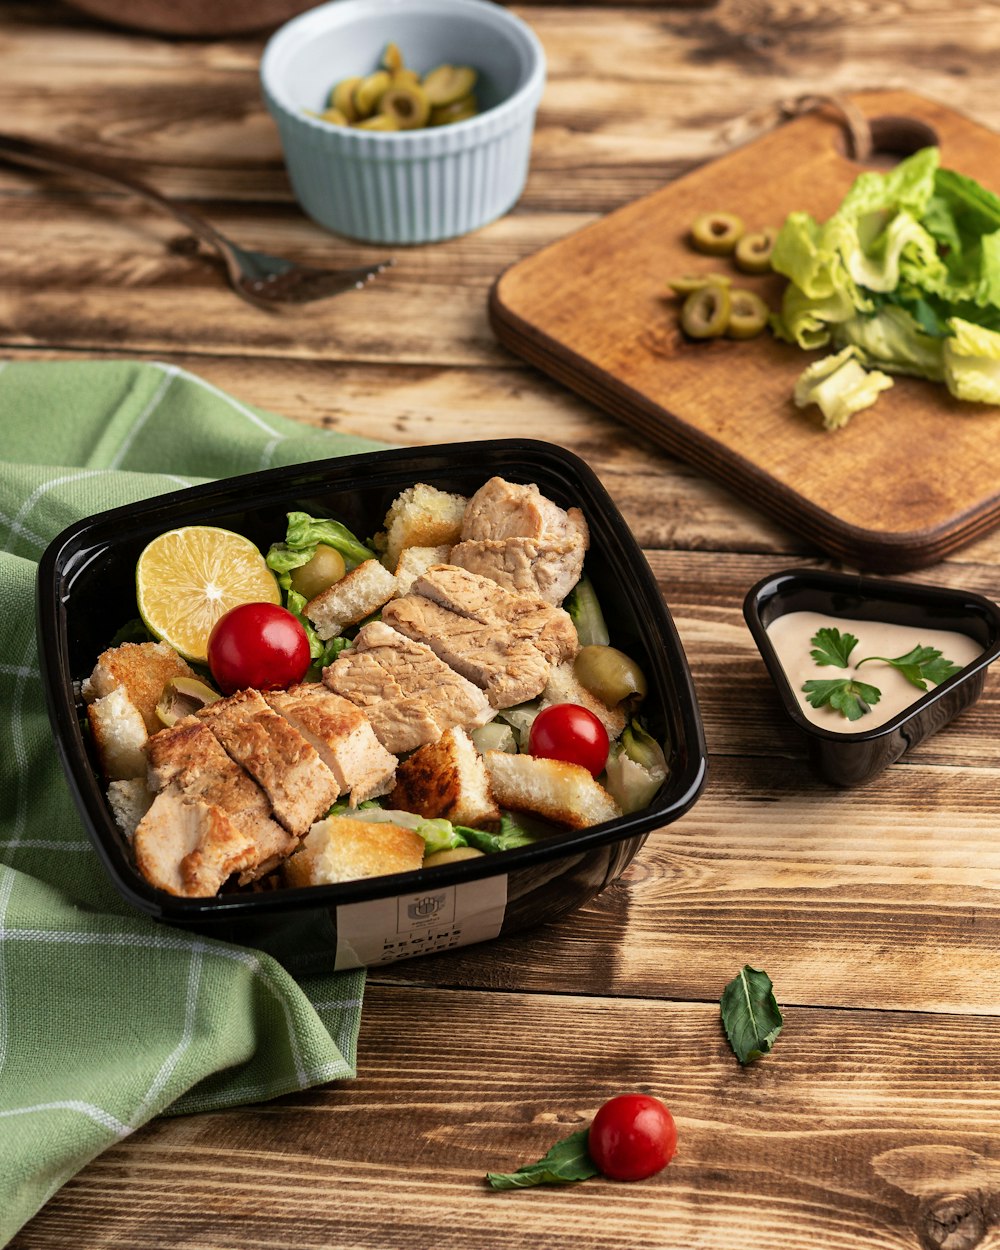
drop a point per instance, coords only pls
(86, 592)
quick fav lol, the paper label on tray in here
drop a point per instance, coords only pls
(386, 929)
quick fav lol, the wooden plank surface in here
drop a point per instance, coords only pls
(837, 1142)
(591, 310)
(875, 910)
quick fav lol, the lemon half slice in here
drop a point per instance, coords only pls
(187, 578)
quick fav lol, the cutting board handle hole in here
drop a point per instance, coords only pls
(893, 138)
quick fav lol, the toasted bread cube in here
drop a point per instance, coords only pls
(358, 594)
(563, 687)
(341, 848)
(341, 736)
(189, 847)
(563, 793)
(422, 516)
(414, 561)
(280, 760)
(129, 802)
(141, 670)
(447, 778)
(119, 734)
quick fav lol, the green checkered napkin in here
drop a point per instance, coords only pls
(107, 1018)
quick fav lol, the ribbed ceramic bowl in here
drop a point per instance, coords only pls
(410, 186)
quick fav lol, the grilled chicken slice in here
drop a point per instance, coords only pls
(187, 846)
(520, 539)
(289, 771)
(188, 758)
(502, 641)
(341, 736)
(406, 693)
(531, 565)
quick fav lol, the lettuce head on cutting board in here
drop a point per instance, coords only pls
(903, 278)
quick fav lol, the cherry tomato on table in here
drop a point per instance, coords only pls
(259, 646)
(631, 1137)
(567, 731)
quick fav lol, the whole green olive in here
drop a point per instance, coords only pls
(318, 574)
(609, 674)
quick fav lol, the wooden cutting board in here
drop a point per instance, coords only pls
(904, 484)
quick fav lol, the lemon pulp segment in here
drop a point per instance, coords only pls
(188, 577)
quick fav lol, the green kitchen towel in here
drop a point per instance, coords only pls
(107, 1018)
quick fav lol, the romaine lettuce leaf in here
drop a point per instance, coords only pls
(972, 362)
(839, 386)
(893, 340)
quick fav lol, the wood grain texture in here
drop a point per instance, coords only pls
(590, 310)
(854, 1134)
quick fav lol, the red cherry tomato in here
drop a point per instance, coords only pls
(257, 645)
(631, 1137)
(567, 731)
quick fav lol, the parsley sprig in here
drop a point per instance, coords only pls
(919, 666)
(854, 698)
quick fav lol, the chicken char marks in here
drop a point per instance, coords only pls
(503, 641)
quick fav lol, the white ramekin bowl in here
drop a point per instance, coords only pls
(408, 186)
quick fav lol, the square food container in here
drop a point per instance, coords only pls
(850, 759)
(87, 590)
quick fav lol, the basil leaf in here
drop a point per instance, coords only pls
(567, 1161)
(750, 1015)
(832, 647)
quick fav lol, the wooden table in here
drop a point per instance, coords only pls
(875, 911)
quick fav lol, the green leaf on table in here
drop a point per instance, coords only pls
(832, 647)
(750, 1015)
(920, 666)
(852, 699)
(567, 1161)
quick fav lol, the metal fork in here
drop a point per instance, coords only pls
(262, 280)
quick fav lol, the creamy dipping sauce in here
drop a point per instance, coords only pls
(790, 637)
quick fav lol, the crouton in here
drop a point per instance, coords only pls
(341, 736)
(129, 801)
(563, 793)
(358, 594)
(141, 670)
(189, 847)
(119, 734)
(280, 760)
(417, 560)
(422, 516)
(563, 687)
(447, 778)
(341, 848)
